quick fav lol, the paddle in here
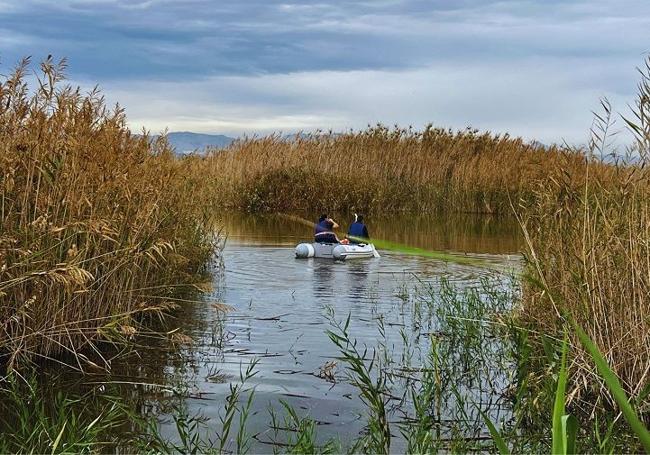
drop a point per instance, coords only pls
(405, 249)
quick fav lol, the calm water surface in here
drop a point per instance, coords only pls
(279, 316)
(280, 306)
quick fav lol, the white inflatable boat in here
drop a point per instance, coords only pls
(336, 251)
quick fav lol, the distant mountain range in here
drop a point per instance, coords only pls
(187, 142)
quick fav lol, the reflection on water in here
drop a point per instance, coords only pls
(280, 306)
(451, 232)
(358, 274)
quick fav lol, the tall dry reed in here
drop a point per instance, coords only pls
(379, 169)
(588, 235)
(97, 225)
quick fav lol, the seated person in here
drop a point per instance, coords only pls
(358, 232)
(324, 230)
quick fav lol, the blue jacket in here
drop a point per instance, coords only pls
(323, 226)
(358, 229)
(323, 232)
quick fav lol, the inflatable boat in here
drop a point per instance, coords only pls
(336, 251)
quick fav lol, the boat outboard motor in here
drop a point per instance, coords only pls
(305, 250)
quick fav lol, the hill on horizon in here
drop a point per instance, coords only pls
(185, 142)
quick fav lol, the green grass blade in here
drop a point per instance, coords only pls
(558, 446)
(92, 424)
(58, 438)
(569, 433)
(615, 388)
(496, 436)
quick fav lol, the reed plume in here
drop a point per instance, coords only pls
(97, 225)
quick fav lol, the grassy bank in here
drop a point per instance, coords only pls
(381, 170)
(98, 226)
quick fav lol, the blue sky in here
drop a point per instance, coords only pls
(531, 68)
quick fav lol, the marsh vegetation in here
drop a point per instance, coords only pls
(380, 170)
(107, 239)
(98, 225)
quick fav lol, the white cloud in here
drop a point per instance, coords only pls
(543, 99)
(529, 67)
(10, 39)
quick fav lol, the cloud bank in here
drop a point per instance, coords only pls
(532, 68)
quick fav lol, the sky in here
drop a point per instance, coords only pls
(535, 69)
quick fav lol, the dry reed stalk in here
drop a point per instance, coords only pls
(93, 218)
(379, 169)
(588, 231)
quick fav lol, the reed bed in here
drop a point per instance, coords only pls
(379, 169)
(97, 226)
(587, 232)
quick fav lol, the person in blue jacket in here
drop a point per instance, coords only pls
(358, 232)
(324, 230)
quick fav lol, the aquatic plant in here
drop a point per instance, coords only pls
(34, 420)
(365, 374)
(101, 227)
(194, 433)
(452, 395)
(565, 427)
(301, 434)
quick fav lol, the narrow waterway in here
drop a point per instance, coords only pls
(282, 308)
